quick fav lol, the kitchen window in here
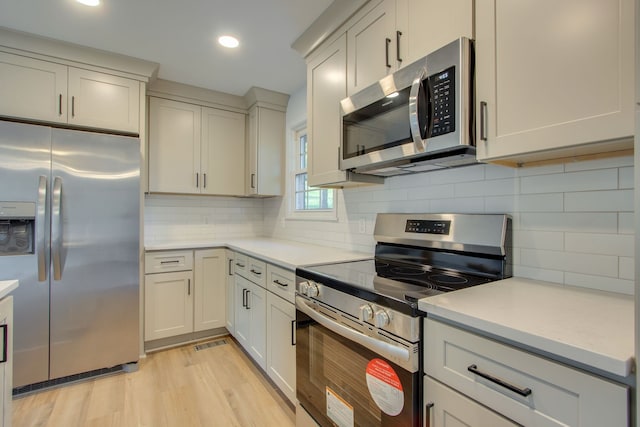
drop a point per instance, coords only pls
(307, 202)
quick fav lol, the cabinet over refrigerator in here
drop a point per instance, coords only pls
(69, 231)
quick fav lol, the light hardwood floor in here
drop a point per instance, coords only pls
(217, 386)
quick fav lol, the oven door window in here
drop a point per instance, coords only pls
(342, 383)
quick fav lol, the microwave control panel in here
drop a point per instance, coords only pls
(443, 87)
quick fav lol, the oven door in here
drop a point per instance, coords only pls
(341, 382)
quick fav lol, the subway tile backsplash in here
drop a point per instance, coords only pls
(573, 223)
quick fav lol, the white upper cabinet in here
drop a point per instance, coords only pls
(223, 152)
(174, 146)
(372, 47)
(266, 151)
(553, 78)
(103, 101)
(427, 25)
(195, 149)
(396, 33)
(42, 90)
(32, 89)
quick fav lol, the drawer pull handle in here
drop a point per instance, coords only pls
(277, 282)
(239, 265)
(257, 273)
(169, 262)
(521, 391)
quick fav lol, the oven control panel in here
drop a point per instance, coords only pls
(427, 226)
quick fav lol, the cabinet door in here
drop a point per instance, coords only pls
(223, 152)
(210, 279)
(174, 146)
(371, 44)
(446, 407)
(168, 305)
(427, 25)
(32, 89)
(103, 101)
(257, 305)
(266, 151)
(6, 368)
(231, 294)
(242, 315)
(326, 87)
(552, 80)
(281, 350)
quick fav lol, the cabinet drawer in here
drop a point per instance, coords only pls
(281, 282)
(160, 262)
(544, 393)
(251, 268)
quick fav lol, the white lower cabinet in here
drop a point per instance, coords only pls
(523, 387)
(250, 316)
(182, 297)
(281, 350)
(6, 361)
(230, 295)
(447, 407)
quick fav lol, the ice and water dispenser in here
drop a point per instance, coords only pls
(17, 228)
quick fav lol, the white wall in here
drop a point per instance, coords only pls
(573, 223)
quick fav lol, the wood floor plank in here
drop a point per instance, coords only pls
(217, 386)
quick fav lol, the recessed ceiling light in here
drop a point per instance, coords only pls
(229, 41)
(89, 2)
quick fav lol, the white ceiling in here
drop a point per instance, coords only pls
(181, 36)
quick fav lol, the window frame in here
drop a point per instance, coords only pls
(293, 161)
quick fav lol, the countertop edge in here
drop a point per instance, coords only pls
(7, 286)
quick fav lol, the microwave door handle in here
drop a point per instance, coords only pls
(414, 113)
(382, 348)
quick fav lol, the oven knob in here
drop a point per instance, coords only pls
(304, 288)
(381, 319)
(366, 313)
(313, 290)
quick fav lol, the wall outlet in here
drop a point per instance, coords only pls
(362, 226)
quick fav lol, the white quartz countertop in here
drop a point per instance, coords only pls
(6, 286)
(284, 253)
(593, 328)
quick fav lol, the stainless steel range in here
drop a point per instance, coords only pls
(359, 351)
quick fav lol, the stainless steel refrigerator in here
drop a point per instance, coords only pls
(69, 232)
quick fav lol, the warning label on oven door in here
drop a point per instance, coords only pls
(385, 387)
(338, 410)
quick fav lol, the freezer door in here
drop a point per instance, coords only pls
(25, 152)
(95, 251)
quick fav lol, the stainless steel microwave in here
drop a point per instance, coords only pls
(417, 119)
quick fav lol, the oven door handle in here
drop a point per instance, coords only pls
(384, 349)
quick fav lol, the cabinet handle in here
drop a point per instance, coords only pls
(248, 294)
(483, 121)
(427, 414)
(73, 106)
(175, 261)
(60, 105)
(244, 298)
(521, 391)
(204, 180)
(257, 273)
(197, 179)
(188, 286)
(398, 35)
(293, 332)
(277, 282)
(387, 42)
(253, 176)
(230, 267)
(5, 342)
(239, 265)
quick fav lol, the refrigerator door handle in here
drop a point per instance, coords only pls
(56, 228)
(41, 212)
